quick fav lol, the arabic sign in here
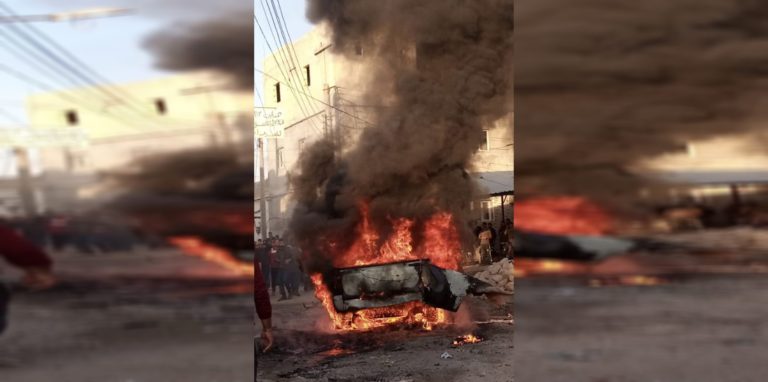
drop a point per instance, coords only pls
(57, 137)
(269, 123)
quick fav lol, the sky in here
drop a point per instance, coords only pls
(112, 46)
(296, 22)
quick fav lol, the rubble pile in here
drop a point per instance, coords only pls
(499, 274)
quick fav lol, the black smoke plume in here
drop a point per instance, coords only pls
(603, 85)
(223, 44)
(443, 71)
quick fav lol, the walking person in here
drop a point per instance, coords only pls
(262, 259)
(279, 273)
(264, 313)
(23, 254)
(485, 244)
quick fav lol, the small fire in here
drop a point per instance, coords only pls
(439, 243)
(533, 267)
(630, 280)
(197, 247)
(466, 339)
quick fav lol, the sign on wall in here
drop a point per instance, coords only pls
(269, 123)
(56, 137)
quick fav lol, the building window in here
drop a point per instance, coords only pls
(484, 146)
(280, 159)
(160, 106)
(358, 49)
(302, 143)
(486, 212)
(277, 92)
(72, 118)
(309, 78)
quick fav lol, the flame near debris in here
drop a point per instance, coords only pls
(440, 244)
(443, 71)
(466, 339)
(197, 247)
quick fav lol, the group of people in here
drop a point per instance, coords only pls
(492, 244)
(90, 235)
(281, 267)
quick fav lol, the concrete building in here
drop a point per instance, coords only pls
(125, 122)
(718, 169)
(315, 90)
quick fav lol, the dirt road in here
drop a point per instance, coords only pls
(145, 317)
(306, 350)
(701, 329)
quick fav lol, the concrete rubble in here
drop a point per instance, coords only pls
(499, 274)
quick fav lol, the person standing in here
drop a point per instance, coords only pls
(485, 243)
(23, 254)
(262, 257)
(279, 274)
(264, 313)
(293, 270)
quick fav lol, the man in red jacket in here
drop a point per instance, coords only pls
(21, 253)
(263, 309)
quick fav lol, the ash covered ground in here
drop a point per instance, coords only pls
(142, 317)
(306, 350)
(703, 321)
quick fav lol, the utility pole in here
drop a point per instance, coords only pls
(24, 178)
(78, 15)
(262, 191)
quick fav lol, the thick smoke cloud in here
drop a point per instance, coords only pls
(223, 44)
(601, 85)
(443, 68)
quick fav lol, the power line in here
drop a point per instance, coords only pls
(320, 101)
(258, 95)
(37, 55)
(280, 53)
(289, 43)
(10, 116)
(78, 68)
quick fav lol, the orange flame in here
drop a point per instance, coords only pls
(562, 215)
(197, 247)
(466, 339)
(440, 244)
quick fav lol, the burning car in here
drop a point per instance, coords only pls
(396, 283)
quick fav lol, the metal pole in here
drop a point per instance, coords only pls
(24, 176)
(502, 208)
(262, 191)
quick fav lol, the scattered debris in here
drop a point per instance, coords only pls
(446, 355)
(499, 274)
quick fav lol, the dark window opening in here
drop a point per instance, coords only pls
(309, 79)
(484, 145)
(160, 106)
(358, 49)
(277, 92)
(72, 118)
(280, 159)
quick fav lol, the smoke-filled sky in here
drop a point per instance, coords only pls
(603, 84)
(444, 69)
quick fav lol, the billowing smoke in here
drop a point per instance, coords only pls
(443, 70)
(223, 44)
(602, 85)
(206, 191)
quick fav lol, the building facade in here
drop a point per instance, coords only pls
(316, 90)
(123, 123)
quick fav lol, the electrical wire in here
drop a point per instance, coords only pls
(321, 101)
